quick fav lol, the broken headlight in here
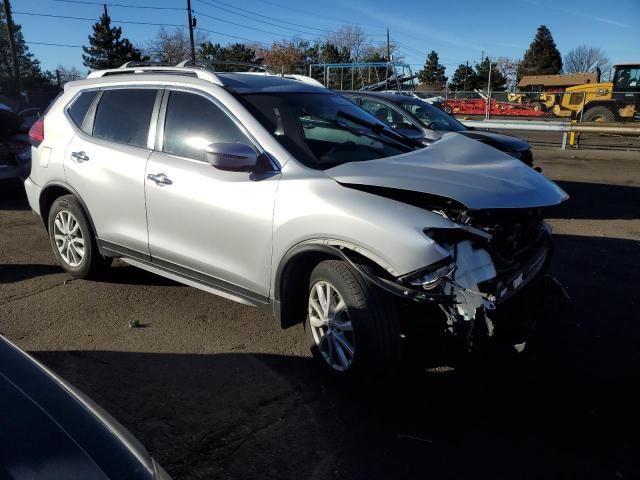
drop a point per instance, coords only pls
(432, 276)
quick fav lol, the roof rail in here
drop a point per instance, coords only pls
(135, 63)
(126, 69)
(211, 65)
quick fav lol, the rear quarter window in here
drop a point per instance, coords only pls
(124, 116)
(80, 106)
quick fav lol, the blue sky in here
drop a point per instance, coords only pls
(458, 31)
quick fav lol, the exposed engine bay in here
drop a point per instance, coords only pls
(494, 255)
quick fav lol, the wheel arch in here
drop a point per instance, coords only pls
(54, 190)
(294, 269)
(611, 105)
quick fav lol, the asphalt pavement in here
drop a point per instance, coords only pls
(215, 389)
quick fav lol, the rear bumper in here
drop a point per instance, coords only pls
(33, 195)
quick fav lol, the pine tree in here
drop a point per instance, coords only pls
(108, 49)
(481, 79)
(464, 78)
(542, 57)
(28, 65)
(433, 71)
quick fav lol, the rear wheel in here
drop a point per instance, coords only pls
(537, 106)
(598, 114)
(352, 328)
(72, 240)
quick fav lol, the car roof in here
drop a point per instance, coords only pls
(261, 83)
(237, 82)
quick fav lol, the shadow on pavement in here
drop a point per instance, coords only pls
(567, 409)
(12, 195)
(125, 274)
(594, 201)
(10, 273)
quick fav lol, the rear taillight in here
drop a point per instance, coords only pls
(36, 133)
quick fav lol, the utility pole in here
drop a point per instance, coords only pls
(12, 44)
(386, 77)
(466, 73)
(192, 24)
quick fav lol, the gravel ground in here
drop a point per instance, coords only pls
(215, 389)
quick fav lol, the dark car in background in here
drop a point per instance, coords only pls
(422, 121)
(15, 149)
(49, 430)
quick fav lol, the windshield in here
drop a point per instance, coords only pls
(323, 130)
(430, 116)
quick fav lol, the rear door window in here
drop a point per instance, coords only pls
(193, 122)
(124, 116)
(80, 106)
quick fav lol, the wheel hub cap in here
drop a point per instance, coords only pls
(68, 237)
(331, 326)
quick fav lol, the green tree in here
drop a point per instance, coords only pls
(108, 49)
(542, 57)
(29, 66)
(330, 53)
(464, 78)
(433, 70)
(236, 52)
(481, 79)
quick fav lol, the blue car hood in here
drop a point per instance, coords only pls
(458, 168)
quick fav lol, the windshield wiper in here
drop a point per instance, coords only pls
(380, 129)
(358, 132)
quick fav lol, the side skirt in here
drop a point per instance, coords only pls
(186, 276)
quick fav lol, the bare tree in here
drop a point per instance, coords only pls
(68, 74)
(508, 67)
(585, 59)
(172, 46)
(350, 37)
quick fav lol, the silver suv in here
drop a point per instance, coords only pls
(281, 194)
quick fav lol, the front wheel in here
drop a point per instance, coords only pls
(599, 114)
(352, 328)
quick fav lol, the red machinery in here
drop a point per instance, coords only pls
(478, 106)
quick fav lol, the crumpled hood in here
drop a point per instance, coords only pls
(458, 168)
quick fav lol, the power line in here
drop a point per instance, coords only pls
(325, 30)
(121, 5)
(315, 14)
(255, 19)
(97, 19)
(237, 24)
(259, 19)
(55, 44)
(231, 36)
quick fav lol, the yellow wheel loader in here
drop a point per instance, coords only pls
(604, 101)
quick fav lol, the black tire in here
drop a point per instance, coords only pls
(599, 114)
(91, 264)
(374, 319)
(538, 107)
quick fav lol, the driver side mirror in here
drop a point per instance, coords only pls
(231, 156)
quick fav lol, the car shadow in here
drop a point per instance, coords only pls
(595, 200)
(122, 273)
(566, 409)
(10, 273)
(13, 195)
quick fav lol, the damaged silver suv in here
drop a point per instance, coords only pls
(284, 195)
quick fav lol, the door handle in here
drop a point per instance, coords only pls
(160, 179)
(79, 156)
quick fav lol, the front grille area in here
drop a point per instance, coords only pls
(519, 245)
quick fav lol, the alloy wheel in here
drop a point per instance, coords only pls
(331, 326)
(68, 237)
